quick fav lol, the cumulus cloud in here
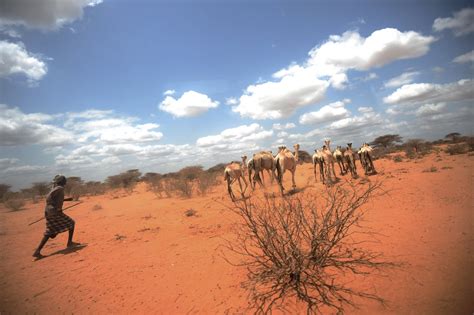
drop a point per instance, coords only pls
(42, 14)
(101, 126)
(190, 104)
(427, 92)
(169, 92)
(300, 85)
(352, 51)
(461, 23)
(18, 128)
(237, 135)
(15, 59)
(331, 112)
(402, 79)
(283, 127)
(430, 109)
(467, 57)
(276, 100)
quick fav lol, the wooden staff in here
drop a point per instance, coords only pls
(62, 210)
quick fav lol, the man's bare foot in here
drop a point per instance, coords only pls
(73, 244)
(37, 255)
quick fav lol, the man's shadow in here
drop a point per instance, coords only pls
(68, 250)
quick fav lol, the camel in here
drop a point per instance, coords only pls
(233, 172)
(244, 163)
(339, 157)
(285, 160)
(328, 161)
(261, 161)
(349, 157)
(318, 160)
(366, 159)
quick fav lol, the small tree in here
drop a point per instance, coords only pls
(453, 136)
(41, 188)
(74, 187)
(4, 188)
(386, 141)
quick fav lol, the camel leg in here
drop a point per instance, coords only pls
(333, 171)
(293, 179)
(315, 173)
(229, 190)
(246, 184)
(321, 172)
(242, 192)
(372, 167)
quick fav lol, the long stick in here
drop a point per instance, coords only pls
(63, 210)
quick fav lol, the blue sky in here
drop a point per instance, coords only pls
(91, 88)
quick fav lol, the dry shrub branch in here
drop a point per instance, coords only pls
(305, 248)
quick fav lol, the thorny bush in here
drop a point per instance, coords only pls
(305, 248)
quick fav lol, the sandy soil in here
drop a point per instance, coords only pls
(144, 255)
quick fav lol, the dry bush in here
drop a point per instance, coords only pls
(74, 187)
(432, 169)
(416, 148)
(190, 212)
(94, 188)
(96, 207)
(126, 180)
(457, 149)
(397, 158)
(304, 248)
(4, 189)
(206, 181)
(14, 203)
(190, 172)
(182, 186)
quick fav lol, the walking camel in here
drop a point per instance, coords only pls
(339, 157)
(328, 161)
(285, 160)
(261, 161)
(366, 159)
(234, 172)
(318, 160)
(349, 157)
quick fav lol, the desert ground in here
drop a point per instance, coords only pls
(144, 255)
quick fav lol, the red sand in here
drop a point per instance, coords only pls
(168, 263)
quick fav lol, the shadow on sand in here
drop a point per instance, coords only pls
(64, 251)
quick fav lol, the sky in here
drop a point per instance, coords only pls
(92, 88)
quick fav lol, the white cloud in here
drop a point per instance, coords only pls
(352, 51)
(111, 160)
(402, 79)
(430, 109)
(18, 128)
(275, 100)
(14, 59)
(24, 169)
(100, 127)
(169, 92)
(231, 136)
(427, 92)
(300, 85)
(42, 14)
(371, 76)
(190, 104)
(231, 101)
(364, 109)
(331, 112)
(462, 22)
(283, 127)
(7, 162)
(467, 57)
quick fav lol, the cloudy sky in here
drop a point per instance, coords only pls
(91, 88)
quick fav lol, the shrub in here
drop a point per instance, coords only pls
(190, 172)
(14, 204)
(182, 186)
(190, 212)
(74, 187)
(297, 247)
(432, 169)
(457, 149)
(206, 180)
(126, 180)
(4, 189)
(416, 148)
(96, 207)
(94, 188)
(398, 158)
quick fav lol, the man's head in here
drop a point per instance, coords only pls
(59, 180)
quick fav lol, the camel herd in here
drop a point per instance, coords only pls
(285, 160)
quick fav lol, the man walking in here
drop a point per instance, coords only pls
(56, 221)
